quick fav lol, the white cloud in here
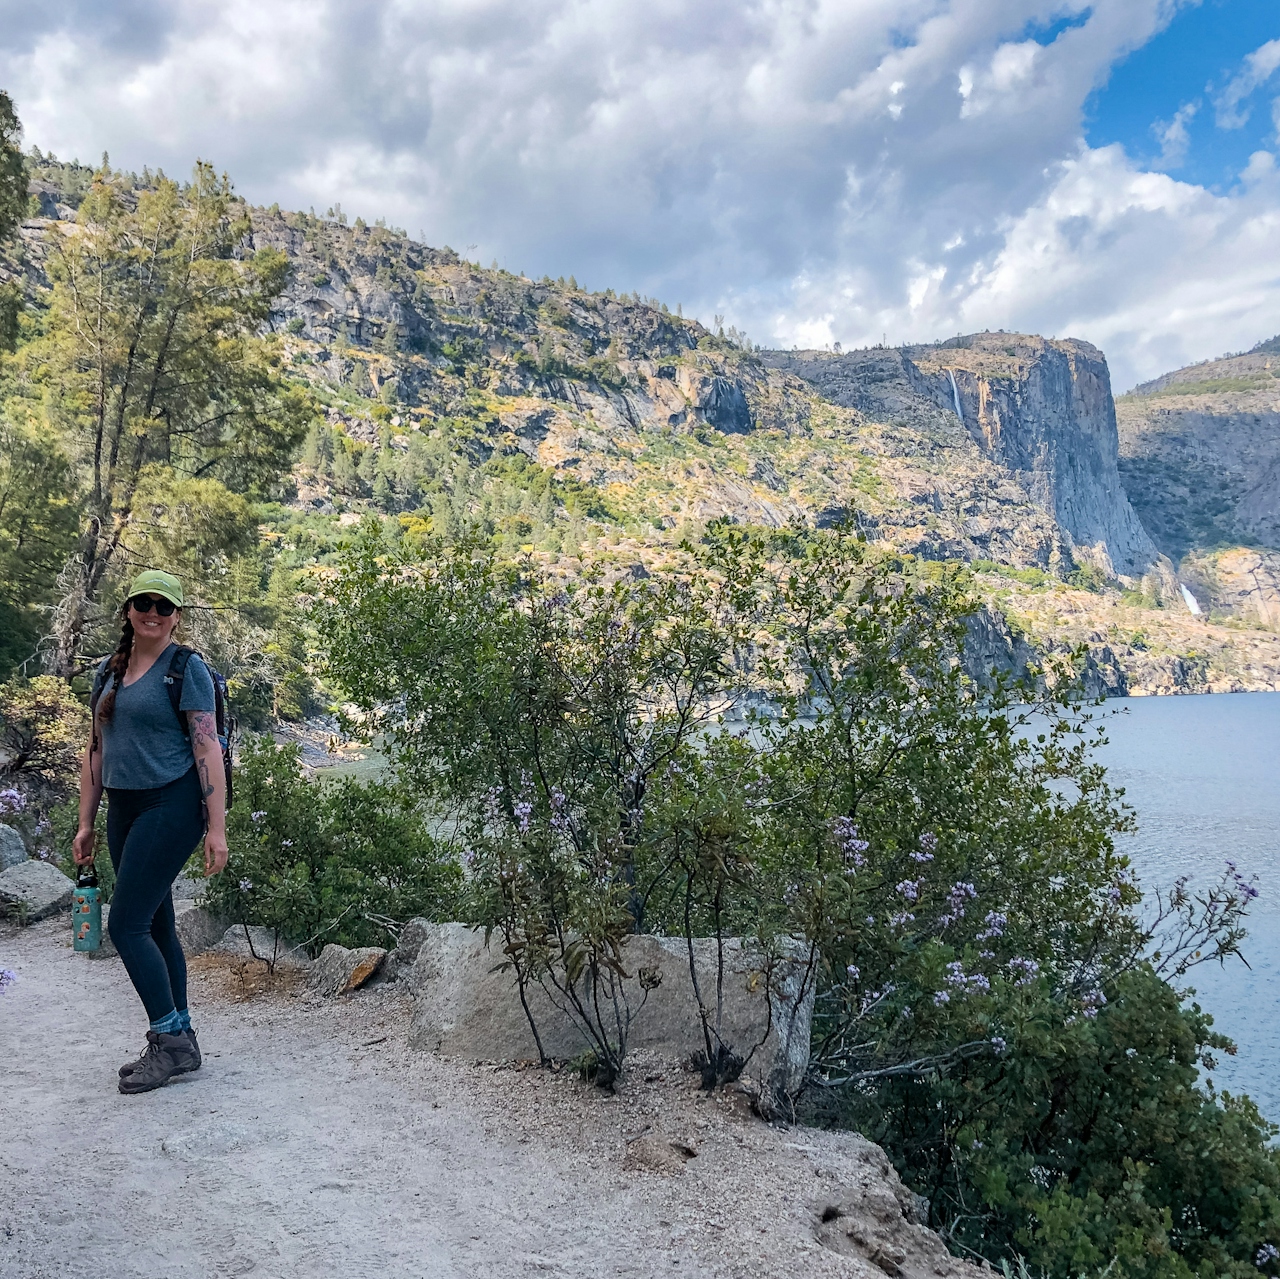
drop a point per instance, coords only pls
(1173, 137)
(1156, 272)
(1255, 71)
(813, 169)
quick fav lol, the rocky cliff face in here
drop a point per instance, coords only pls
(1040, 410)
(1200, 453)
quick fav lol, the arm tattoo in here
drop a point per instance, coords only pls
(204, 729)
(206, 786)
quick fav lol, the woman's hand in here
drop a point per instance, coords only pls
(215, 852)
(82, 846)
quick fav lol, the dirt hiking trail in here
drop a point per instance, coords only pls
(314, 1144)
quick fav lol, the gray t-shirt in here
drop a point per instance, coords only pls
(143, 745)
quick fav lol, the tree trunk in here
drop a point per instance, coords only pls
(75, 611)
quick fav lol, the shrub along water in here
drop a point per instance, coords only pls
(995, 1004)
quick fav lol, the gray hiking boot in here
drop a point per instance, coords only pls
(166, 1056)
(129, 1067)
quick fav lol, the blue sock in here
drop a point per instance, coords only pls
(184, 1016)
(168, 1025)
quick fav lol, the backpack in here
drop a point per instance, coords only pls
(224, 724)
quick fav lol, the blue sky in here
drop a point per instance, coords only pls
(814, 170)
(1188, 65)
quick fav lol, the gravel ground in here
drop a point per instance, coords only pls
(314, 1142)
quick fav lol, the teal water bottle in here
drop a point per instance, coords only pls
(86, 910)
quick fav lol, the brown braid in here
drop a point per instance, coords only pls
(117, 667)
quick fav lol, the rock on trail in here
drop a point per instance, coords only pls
(314, 1142)
(13, 851)
(34, 890)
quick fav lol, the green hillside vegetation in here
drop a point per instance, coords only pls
(1214, 386)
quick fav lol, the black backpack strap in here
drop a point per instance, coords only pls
(95, 696)
(99, 687)
(173, 680)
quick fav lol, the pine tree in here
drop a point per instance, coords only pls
(13, 206)
(384, 496)
(317, 452)
(13, 174)
(153, 358)
(346, 477)
(360, 380)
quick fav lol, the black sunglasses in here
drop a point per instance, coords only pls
(143, 603)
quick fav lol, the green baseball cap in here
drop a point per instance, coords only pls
(154, 582)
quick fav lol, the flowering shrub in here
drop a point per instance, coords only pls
(992, 1005)
(44, 729)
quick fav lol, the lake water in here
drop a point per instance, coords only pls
(1203, 774)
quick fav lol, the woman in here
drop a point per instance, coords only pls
(164, 780)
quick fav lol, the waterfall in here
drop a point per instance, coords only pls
(1191, 601)
(955, 395)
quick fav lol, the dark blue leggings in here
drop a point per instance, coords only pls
(151, 833)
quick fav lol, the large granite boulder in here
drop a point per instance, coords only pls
(399, 962)
(13, 851)
(186, 889)
(339, 971)
(34, 890)
(466, 1005)
(198, 929)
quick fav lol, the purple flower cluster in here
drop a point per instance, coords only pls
(1266, 1254)
(996, 923)
(559, 817)
(999, 1045)
(851, 844)
(1245, 887)
(1024, 971)
(257, 815)
(11, 801)
(1092, 1000)
(966, 983)
(928, 846)
(493, 806)
(7, 978)
(909, 889)
(956, 898)
(523, 810)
